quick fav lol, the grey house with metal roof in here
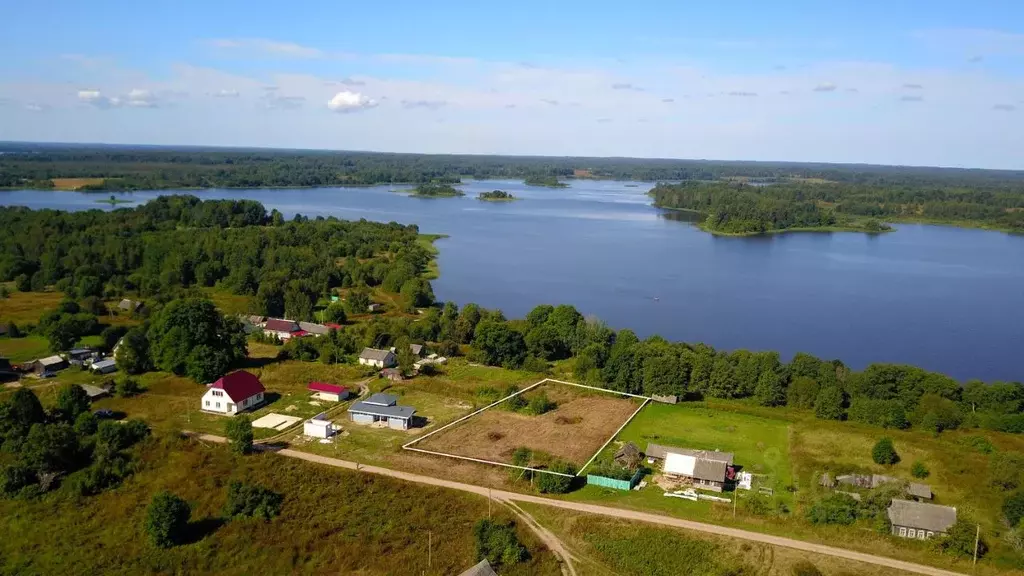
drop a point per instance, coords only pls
(919, 520)
(377, 358)
(382, 408)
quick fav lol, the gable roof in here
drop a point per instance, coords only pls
(375, 354)
(659, 451)
(325, 387)
(381, 399)
(921, 515)
(417, 349)
(318, 329)
(104, 364)
(709, 470)
(481, 569)
(279, 325)
(126, 304)
(50, 360)
(628, 450)
(239, 385)
(919, 490)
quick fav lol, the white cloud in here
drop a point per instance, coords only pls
(268, 47)
(742, 94)
(913, 87)
(135, 98)
(825, 87)
(626, 86)
(225, 93)
(33, 107)
(347, 101)
(139, 98)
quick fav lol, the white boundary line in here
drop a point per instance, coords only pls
(646, 399)
(605, 445)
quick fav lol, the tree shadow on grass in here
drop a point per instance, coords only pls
(256, 363)
(200, 529)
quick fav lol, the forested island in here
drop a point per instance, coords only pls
(436, 190)
(496, 196)
(545, 181)
(738, 208)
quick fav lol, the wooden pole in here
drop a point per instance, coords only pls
(977, 540)
(429, 549)
(488, 503)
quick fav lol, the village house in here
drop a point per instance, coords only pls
(919, 520)
(382, 408)
(49, 364)
(393, 374)
(377, 358)
(96, 392)
(234, 393)
(130, 306)
(374, 308)
(707, 469)
(104, 366)
(283, 329)
(76, 356)
(417, 350)
(328, 392)
(319, 427)
(314, 329)
(628, 456)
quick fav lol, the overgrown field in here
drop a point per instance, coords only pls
(332, 522)
(606, 546)
(573, 431)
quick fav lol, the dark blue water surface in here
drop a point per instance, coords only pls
(944, 298)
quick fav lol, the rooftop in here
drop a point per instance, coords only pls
(921, 515)
(318, 329)
(102, 364)
(659, 451)
(50, 360)
(239, 385)
(279, 325)
(375, 354)
(404, 412)
(382, 399)
(325, 387)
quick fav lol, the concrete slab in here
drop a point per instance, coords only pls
(275, 421)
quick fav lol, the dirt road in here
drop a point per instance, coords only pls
(502, 495)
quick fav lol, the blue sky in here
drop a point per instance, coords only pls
(911, 82)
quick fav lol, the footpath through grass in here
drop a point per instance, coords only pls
(332, 522)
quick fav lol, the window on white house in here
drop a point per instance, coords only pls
(207, 402)
(930, 533)
(903, 532)
(218, 404)
(920, 535)
(912, 533)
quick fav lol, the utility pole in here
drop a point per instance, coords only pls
(977, 540)
(735, 497)
(429, 549)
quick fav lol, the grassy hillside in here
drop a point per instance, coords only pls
(332, 521)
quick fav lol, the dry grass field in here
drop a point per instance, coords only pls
(75, 183)
(573, 431)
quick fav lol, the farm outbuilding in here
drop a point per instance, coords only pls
(708, 469)
(50, 364)
(329, 392)
(319, 427)
(382, 408)
(919, 520)
(104, 366)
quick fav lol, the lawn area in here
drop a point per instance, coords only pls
(26, 307)
(76, 183)
(610, 547)
(760, 445)
(332, 522)
(228, 303)
(24, 349)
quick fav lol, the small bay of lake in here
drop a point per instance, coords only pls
(944, 298)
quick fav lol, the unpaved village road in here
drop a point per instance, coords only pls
(502, 495)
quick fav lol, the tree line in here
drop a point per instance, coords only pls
(744, 208)
(29, 165)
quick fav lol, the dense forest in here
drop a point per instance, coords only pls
(732, 207)
(27, 165)
(177, 242)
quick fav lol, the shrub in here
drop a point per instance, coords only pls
(539, 404)
(126, 387)
(977, 443)
(919, 470)
(611, 469)
(959, 540)
(239, 433)
(498, 543)
(884, 452)
(71, 401)
(516, 403)
(167, 519)
(829, 404)
(1013, 508)
(833, 509)
(15, 477)
(1006, 470)
(554, 484)
(249, 500)
(86, 424)
(488, 394)
(535, 364)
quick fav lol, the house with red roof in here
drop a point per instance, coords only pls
(329, 392)
(283, 329)
(234, 393)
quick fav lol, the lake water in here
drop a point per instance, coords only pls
(944, 298)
